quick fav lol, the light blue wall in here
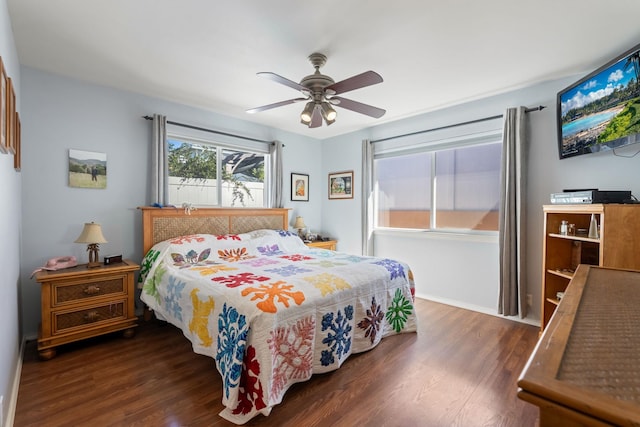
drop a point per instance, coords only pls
(442, 264)
(10, 225)
(62, 113)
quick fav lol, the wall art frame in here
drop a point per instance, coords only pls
(10, 117)
(3, 109)
(299, 187)
(17, 157)
(87, 169)
(341, 185)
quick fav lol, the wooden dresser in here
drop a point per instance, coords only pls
(81, 302)
(585, 369)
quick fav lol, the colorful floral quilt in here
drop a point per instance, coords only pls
(272, 311)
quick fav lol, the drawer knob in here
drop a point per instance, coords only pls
(91, 316)
(92, 290)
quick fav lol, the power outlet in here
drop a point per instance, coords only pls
(529, 300)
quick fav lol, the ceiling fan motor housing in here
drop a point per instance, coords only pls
(316, 82)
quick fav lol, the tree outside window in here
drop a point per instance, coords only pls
(195, 176)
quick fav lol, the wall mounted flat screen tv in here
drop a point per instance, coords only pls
(602, 110)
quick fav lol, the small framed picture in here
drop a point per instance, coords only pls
(299, 187)
(87, 169)
(3, 109)
(17, 157)
(10, 118)
(341, 185)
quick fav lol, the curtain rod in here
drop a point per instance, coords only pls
(210, 130)
(484, 119)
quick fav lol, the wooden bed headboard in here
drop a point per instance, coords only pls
(160, 224)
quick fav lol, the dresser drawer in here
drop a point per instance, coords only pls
(64, 321)
(69, 292)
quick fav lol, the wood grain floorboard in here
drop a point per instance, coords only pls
(460, 369)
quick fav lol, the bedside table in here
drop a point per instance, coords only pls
(319, 244)
(80, 302)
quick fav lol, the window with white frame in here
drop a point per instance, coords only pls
(452, 186)
(204, 173)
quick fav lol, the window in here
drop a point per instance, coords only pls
(468, 187)
(197, 177)
(442, 188)
(403, 191)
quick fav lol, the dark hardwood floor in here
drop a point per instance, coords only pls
(460, 369)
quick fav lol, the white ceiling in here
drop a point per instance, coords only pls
(431, 54)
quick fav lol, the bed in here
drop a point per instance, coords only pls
(268, 309)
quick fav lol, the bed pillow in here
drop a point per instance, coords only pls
(268, 241)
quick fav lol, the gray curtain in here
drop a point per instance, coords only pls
(367, 197)
(275, 154)
(512, 222)
(159, 161)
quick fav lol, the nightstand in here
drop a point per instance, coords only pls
(80, 302)
(319, 244)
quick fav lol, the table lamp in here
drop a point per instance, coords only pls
(92, 234)
(299, 225)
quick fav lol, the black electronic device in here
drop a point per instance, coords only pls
(112, 259)
(569, 197)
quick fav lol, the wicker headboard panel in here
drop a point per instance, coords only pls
(160, 224)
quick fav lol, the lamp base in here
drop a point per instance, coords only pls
(93, 249)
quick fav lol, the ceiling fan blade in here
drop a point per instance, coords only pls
(316, 118)
(365, 79)
(275, 105)
(279, 79)
(359, 107)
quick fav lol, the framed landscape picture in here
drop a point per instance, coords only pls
(87, 169)
(341, 185)
(299, 187)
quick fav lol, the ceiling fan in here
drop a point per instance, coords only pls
(321, 92)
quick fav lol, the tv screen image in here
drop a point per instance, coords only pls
(602, 110)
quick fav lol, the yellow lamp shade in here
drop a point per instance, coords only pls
(91, 233)
(299, 223)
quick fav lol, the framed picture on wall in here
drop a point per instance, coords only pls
(3, 108)
(87, 169)
(17, 159)
(341, 185)
(299, 187)
(10, 118)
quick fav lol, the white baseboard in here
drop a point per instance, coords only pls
(13, 399)
(477, 308)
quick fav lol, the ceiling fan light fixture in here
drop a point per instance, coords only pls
(321, 93)
(328, 112)
(306, 114)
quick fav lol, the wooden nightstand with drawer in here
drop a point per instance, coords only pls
(323, 244)
(80, 302)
